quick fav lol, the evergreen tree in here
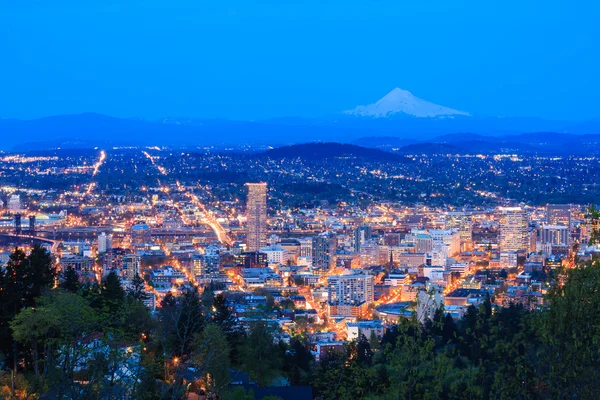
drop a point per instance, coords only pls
(24, 279)
(138, 289)
(112, 293)
(182, 318)
(448, 328)
(40, 274)
(211, 356)
(259, 354)
(70, 280)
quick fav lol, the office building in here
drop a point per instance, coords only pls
(130, 267)
(462, 223)
(558, 214)
(361, 235)
(276, 254)
(513, 229)
(369, 254)
(207, 267)
(556, 235)
(324, 247)
(256, 214)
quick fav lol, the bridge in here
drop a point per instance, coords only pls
(54, 243)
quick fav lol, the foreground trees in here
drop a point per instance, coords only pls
(99, 341)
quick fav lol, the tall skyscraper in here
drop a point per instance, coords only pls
(323, 248)
(513, 229)
(207, 267)
(256, 213)
(558, 214)
(104, 242)
(361, 235)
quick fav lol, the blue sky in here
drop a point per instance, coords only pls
(260, 59)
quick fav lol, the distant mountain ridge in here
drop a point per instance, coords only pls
(330, 150)
(397, 120)
(543, 143)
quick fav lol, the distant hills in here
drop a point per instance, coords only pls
(544, 143)
(397, 120)
(323, 151)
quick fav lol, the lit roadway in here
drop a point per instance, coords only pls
(207, 216)
(95, 171)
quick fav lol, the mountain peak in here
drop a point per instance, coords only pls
(403, 102)
(398, 93)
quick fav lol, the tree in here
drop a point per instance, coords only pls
(138, 289)
(298, 361)
(568, 329)
(34, 328)
(211, 356)
(361, 350)
(593, 217)
(223, 317)
(24, 279)
(70, 280)
(53, 332)
(259, 354)
(135, 319)
(448, 328)
(40, 274)
(111, 293)
(182, 318)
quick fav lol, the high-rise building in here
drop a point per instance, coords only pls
(14, 203)
(113, 260)
(361, 235)
(558, 214)
(306, 247)
(448, 237)
(207, 267)
(557, 235)
(350, 288)
(323, 248)
(513, 229)
(461, 222)
(104, 242)
(423, 241)
(369, 254)
(130, 267)
(256, 213)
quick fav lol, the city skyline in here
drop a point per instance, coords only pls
(308, 200)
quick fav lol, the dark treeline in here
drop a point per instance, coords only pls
(67, 340)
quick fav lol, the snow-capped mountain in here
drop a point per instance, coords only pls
(403, 102)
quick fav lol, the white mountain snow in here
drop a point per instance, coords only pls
(398, 102)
